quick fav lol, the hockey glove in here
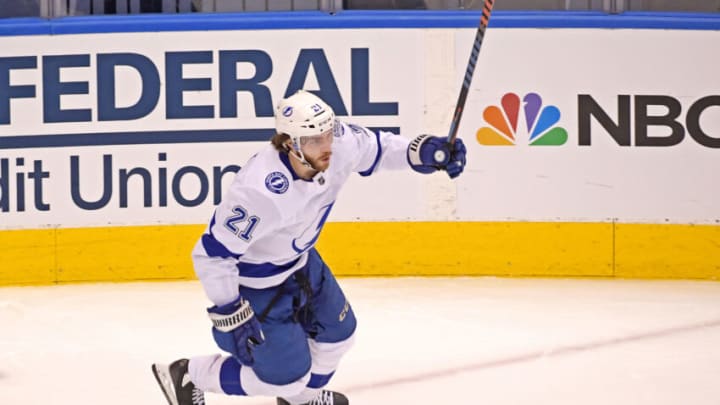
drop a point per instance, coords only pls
(428, 153)
(236, 329)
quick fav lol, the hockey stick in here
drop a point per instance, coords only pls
(487, 9)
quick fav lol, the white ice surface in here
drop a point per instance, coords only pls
(420, 341)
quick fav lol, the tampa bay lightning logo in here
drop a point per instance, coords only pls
(287, 111)
(310, 235)
(277, 182)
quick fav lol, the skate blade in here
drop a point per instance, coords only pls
(162, 376)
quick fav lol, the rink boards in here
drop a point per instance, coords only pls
(520, 249)
(590, 152)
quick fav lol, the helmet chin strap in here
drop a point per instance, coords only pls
(301, 158)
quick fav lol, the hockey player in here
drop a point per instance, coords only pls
(278, 311)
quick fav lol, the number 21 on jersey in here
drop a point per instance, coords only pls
(241, 224)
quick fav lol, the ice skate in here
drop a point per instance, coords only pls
(175, 383)
(325, 398)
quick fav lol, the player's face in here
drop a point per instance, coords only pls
(317, 149)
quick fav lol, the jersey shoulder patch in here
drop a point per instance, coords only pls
(277, 182)
(359, 130)
(338, 129)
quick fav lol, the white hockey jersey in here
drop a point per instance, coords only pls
(269, 218)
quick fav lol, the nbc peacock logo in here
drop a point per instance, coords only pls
(541, 122)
